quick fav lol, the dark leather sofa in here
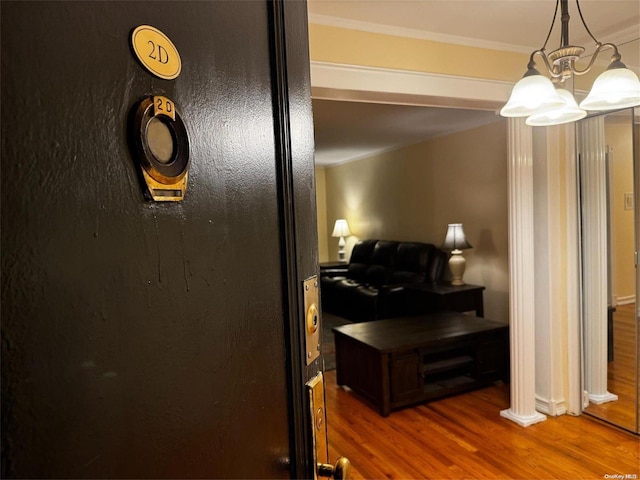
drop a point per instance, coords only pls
(372, 285)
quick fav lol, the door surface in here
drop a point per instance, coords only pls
(144, 339)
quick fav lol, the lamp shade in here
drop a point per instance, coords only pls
(532, 93)
(341, 228)
(569, 112)
(614, 88)
(455, 238)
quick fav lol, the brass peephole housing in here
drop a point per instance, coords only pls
(161, 146)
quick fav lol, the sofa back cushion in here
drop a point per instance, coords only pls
(360, 259)
(382, 262)
(435, 268)
(412, 259)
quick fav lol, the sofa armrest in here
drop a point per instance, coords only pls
(334, 271)
(392, 289)
(392, 301)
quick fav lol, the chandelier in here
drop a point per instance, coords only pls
(535, 97)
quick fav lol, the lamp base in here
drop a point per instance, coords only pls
(341, 252)
(457, 264)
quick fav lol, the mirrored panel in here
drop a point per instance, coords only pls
(608, 167)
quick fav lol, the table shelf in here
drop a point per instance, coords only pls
(446, 365)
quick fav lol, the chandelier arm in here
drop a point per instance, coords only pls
(599, 48)
(545, 59)
(532, 63)
(555, 13)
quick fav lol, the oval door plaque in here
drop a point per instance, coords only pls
(156, 52)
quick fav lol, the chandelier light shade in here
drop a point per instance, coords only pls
(341, 230)
(531, 94)
(568, 112)
(618, 87)
(614, 88)
(456, 241)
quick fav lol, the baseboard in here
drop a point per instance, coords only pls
(552, 408)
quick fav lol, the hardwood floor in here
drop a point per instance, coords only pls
(621, 372)
(465, 437)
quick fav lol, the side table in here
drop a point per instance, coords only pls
(331, 269)
(332, 264)
(430, 297)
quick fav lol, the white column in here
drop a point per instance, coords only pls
(521, 274)
(549, 271)
(594, 240)
(574, 339)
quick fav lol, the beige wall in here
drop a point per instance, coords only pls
(418, 208)
(321, 202)
(619, 138)
(423, 195)
(413, 193)
(353, 47)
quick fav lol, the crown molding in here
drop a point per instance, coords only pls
(619, 37)
(420, 88)
(623, 36)
(349, 24)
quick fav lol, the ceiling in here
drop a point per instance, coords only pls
(347, 130)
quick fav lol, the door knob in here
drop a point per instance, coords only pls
(339, 472)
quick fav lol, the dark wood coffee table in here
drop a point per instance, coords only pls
(402, 361)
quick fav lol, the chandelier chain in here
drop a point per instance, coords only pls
(555, 14)
(585, 23)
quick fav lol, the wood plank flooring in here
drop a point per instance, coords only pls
(464, 437)
(621, 372)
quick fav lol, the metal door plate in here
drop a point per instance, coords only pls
(312, 321)
(318, 417)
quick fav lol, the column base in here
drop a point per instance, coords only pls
(523, 420)
(602, 398)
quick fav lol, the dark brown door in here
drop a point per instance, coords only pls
(144, 339)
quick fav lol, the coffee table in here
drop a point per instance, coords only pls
(402, 361)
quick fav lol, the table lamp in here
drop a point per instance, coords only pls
(456, 242)
(341, 229)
